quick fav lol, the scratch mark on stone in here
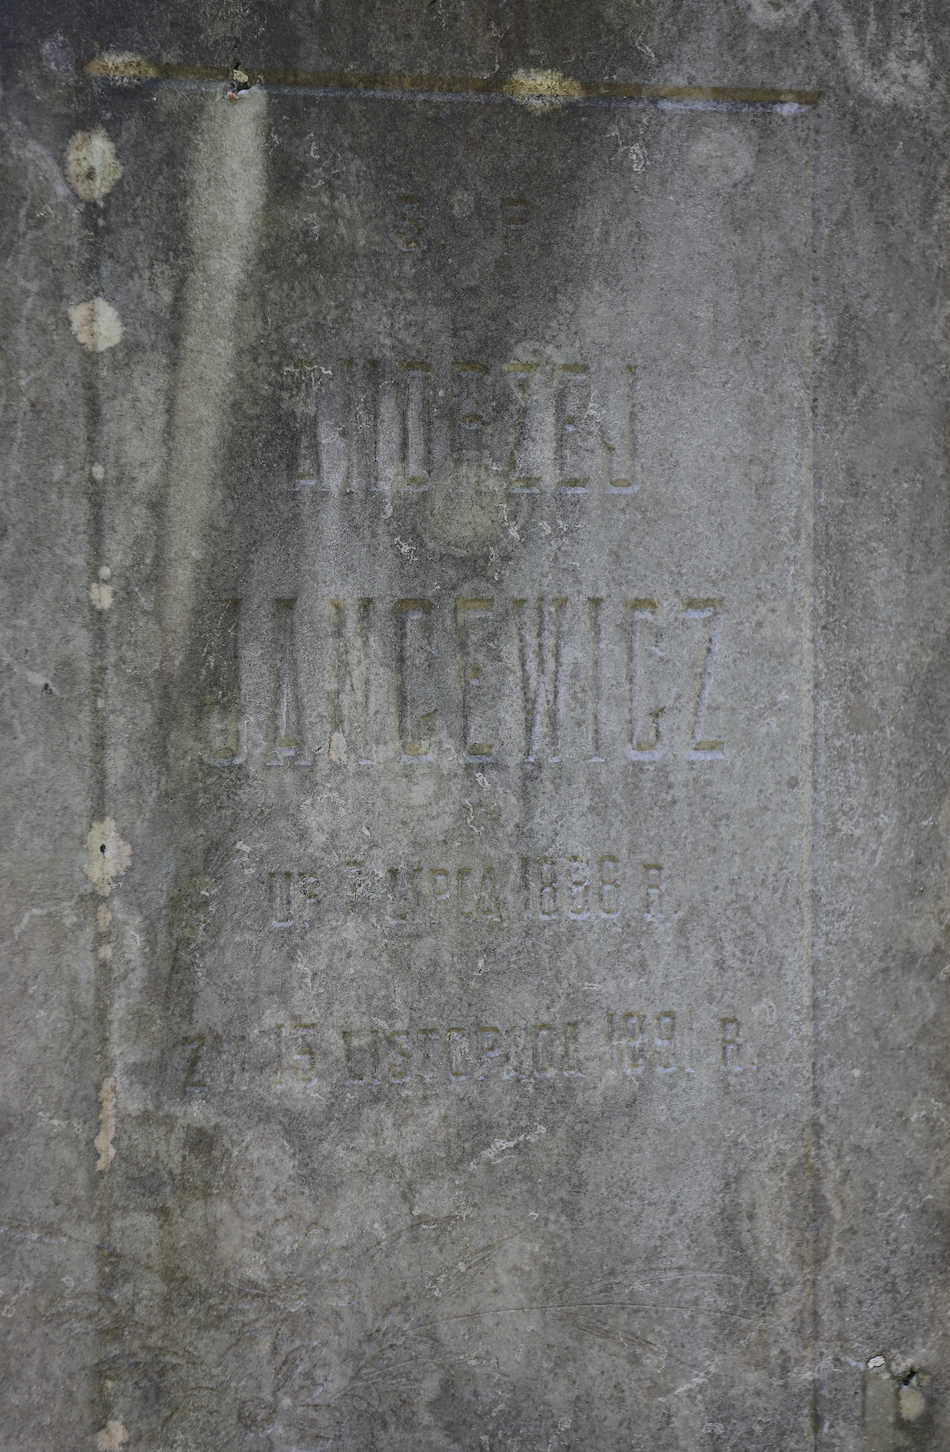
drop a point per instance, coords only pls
(107, 1115)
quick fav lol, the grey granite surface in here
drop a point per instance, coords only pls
(476, 926)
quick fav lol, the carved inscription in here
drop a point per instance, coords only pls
(411, 225)
(371, 426)
(533, 680)
(216, 1062)
(635, 1045)
(541, 890)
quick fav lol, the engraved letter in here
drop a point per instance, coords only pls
(547, 868)
(398, 916)
(514, 219)
(609, 888)
(488, 909)
(471, 409)
(571, 1063)
(573, 449)
(488, 1043)
(196, 1044)
(304, 1057)
(308, 472)
(542, 1049)
(281, 909)
(527, 445)
(416, 714)
(731, 1041)
(466, 900)
(349, 683)
(439, 891)
(354, 886)
(352, 1077)
(653, 877)
(427, 1035)
(235, 1075)
(644, 741)
(399, 1057)
(540, 641)
(595, 673)
(287, 729)
(665, 1043)
(514, 1055)
(634, 1042)
(410, 228)
(707, 610)
(310, 896)
(456, 1052)
(469, 615)
(579, 889)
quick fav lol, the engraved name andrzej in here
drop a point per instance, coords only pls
(371, 426)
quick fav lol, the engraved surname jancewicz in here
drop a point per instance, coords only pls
(387, 672)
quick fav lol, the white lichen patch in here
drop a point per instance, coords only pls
(912, 1403)
(103, 1140)
(101, 595)
(96, 324)
(542, 90)
(122, 65)
(112, 1437)
(109, 855)
(92, 167)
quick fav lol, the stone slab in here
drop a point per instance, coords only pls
(494, 953)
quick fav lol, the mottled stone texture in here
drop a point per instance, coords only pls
(475, 701)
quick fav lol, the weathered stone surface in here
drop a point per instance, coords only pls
(474, 665)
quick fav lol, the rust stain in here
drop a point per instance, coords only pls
(126, 69)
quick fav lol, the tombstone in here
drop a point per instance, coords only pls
(478, 598)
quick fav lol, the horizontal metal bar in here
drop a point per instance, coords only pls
(526, 88)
